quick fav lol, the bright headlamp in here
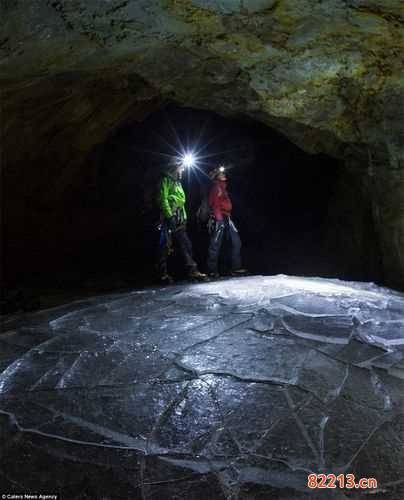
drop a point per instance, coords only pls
(188, 160)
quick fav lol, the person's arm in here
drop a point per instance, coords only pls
(180, 200)
(214, 202)
(164, 203)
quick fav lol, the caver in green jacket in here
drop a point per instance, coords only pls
(172, 199)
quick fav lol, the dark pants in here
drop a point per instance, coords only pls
(216, 239)
(175, 239)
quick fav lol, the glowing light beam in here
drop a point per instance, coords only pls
(188, 160)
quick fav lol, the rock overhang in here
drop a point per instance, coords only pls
(328, 75)
(289, 60)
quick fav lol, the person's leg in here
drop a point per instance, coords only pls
(163, 254)
(235, 247)
(185, 247)
(216, 238)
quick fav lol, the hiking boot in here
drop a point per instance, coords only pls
(196, 275)
(214, 276)
(239, 272)
(166, 279)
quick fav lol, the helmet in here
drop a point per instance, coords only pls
(175, 161)
(217, 171)
(171, 166)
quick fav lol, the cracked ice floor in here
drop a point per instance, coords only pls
(233, 389)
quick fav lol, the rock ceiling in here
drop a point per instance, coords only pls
(328, 74)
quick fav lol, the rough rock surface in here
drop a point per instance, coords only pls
(326, 73)
(230, 390)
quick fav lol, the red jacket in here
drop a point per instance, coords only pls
(219, 200)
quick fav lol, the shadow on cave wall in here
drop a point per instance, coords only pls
(297, 213)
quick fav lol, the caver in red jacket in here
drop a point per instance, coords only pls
(219, 200)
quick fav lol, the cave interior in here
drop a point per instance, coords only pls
(113, 386)
(297, 213)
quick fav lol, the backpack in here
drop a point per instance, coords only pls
(204, 211)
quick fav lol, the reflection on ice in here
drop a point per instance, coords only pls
(245, 382)
(383, 333)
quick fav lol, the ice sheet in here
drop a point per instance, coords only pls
(229, 389)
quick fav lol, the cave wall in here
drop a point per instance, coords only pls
(351, 230)
(50, 205)
(386, 186)
(327, 74)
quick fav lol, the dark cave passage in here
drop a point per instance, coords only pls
(285, 202)
(296, 213)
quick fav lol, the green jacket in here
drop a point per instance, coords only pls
(172, 198)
